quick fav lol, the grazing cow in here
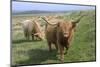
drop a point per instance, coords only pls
(60, 33)
(32, 28)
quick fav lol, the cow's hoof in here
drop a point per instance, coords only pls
(62, 60)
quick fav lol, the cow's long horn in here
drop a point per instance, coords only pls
(78, 19)
(36, 34)
(48, 22)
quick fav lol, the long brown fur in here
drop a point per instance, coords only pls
(60, 34)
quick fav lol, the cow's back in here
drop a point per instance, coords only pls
(28, 26)
(51, 33)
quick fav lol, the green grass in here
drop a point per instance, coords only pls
(36, 52)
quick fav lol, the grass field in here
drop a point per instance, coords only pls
(83, 46)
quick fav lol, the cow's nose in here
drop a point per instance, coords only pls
(65, 34)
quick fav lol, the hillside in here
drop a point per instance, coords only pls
(36, 12)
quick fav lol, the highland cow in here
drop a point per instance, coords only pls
(32, 28)
(60, 33)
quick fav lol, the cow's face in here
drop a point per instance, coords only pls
(40, 35)
(65, 28)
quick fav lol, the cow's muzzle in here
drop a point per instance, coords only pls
(65, 35)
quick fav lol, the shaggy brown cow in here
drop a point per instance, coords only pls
(51, 32)
(32, 28)
(60, 33)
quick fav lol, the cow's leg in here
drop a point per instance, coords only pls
(49, 44)
(28, 37)
(67, 49)
(25, 34)
(56, 46)
(32, 36)
(61, 53)
(69, 41)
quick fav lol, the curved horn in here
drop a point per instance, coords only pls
(78, 19)
(48, 22)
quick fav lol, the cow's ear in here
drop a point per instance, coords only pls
(74, 23)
